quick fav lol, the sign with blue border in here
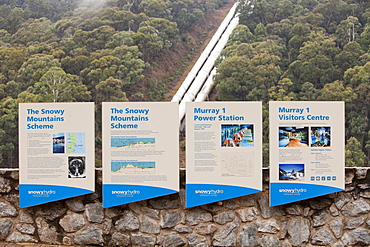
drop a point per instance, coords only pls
(223, 151)
(56, 151)
(140, 151)
(306, 150)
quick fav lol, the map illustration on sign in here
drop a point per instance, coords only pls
(132, 142)
(76, 143)
(237, 164)
(133, 167)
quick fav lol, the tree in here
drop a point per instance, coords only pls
(363, 101)
(314, 62)
(34, 31)
(241, 34)
(123, 63)
(333, 12)
(65, 27)
(233, 79)
(357, 75)
(280, 92)
(39, 8)
(354, 154)
(337, 92)
(349, 57)
(270, 48)
(75, 64)
(364, 39)
(240, 78)
(308, 92)
(282, 29)
(11, 18)
(11, 60)
(34, 68)
(260, 32)
(9, 132)
(357, 125)
(299, 34)
(121, 39)
(165, 29)
(110, 90)
(367, 145)
(134, 6)
(347, 30)
(266, 11)
(154, 35)
(120, 20)
(57, 86)
(314, 19)
(157, 8)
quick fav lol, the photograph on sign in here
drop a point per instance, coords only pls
(320, 136)
(237, 135)
(306, 150)
(223, 151)
(56, 151)
(293, 136)
(140, 151)
(291, 172)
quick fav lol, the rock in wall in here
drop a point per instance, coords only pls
(340, 219)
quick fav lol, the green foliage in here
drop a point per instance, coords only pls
(336, 91)
(305, 50)
(280, 92)
(34, 68)
(233, 79)
(110, 90)
(354, 154)
(241, 34)
(58, 86)
(34, 31)
(71, 50)
(9, 132)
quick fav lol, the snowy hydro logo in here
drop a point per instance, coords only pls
(125, 193)
(293, 191)
(209, 192)
(44, 193)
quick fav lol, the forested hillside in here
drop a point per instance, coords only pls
(87, 50)
(109, 50)
(303, 50)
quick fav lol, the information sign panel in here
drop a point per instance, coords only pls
(223, 151)
(306, 150)
(140, 151)
(56, 151)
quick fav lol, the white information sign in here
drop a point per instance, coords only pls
(223, 151)
(306, 150)
(140, 151)
(56, 151)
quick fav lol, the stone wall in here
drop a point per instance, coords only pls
(340, 219)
